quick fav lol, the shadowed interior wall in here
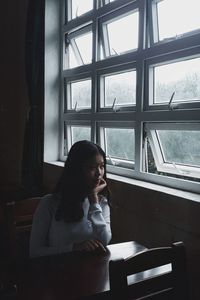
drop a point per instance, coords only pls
(13, 102)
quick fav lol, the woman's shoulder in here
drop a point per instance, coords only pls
(49, 201)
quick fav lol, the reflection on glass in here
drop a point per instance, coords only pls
(121, 87)
(119, 39)
(182, 77)
(79, 133)
(180, 147)
(176, 17)
(120, 143)
(81, 94)
(80, 7)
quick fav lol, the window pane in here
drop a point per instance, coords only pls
(120, 88)
(73, 62)
(84, 43)
(81, 94)
(173, 151)
(80, 50)
(119, 39)
(80, 7)
(180, 147)
(120, 143)
(79, 133)
(183, 78)
(176, 17)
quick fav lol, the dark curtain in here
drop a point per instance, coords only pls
(32, 163)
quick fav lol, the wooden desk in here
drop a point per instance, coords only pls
(70, 276)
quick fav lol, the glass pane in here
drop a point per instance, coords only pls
(119, 39)
(121, 87)
(72, 58)
(79, 133)
(80, 7)
(120, 143)
(183, 78)
(84, 43)
(80, 50)
(180, 147)
(176, 17)
(81, 94)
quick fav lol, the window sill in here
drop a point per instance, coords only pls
(146, 185)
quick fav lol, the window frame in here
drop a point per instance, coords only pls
(112, 71)
(68, 10)
(154, 38)
(162, 60)
(115, 165)
(147, 53)
(109, 18)
(162, 166)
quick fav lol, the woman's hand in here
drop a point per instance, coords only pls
(93, 195)
(89, 246)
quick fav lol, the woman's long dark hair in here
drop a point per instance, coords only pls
(71, 187)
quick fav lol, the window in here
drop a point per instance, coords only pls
(119, 151)
(130, 81)
(175, 148)
(186, 13)
(78, 95)
(114, 38)
(77, 8)
(118, 89)
(78, 48)
(74, 133)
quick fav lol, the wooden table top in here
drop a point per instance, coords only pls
(70, 276)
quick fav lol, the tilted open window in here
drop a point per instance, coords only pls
(171, 19)
(175, 148)
(114, 29)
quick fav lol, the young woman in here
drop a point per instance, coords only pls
(77, 215)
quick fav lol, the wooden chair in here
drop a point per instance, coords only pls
(24, 211)
(23, 216)
(157, 285)
(19, 223)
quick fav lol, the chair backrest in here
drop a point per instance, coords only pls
(24, 211)
(148, 282)
(19, 217)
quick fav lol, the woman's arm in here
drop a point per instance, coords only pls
(99, 215)
(40, 229)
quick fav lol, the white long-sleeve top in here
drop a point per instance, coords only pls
(49, 236)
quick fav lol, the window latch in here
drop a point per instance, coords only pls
(170, 105)
(114, 107)
(77, 11)
(75, 108)
(111, 161)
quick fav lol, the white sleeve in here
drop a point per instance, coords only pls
(99, 215)
(40, 229)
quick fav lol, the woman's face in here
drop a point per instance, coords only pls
(93, 171)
